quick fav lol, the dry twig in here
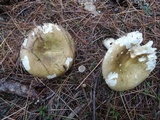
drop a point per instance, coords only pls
(18, 89)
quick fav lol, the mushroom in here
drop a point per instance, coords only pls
(126, 63)
(47, 51)
(89, 6)
(81, 68)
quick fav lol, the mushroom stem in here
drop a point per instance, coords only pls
(108, 42)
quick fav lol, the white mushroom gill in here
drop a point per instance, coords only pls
(46, 28)
(132, 38)
(25, 42)
(51, 76)
(141, 59)
(151, 63)
(25, 62)
(33, 34)
(68, 60)
(57, 27)
(111, 79)
(145, 50)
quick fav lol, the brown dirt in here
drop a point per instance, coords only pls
(59, 97)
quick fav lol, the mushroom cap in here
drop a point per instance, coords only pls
(127, 63)
(48, 51)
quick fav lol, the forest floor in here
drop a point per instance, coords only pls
(61, 98)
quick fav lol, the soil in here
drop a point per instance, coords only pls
(76, 95)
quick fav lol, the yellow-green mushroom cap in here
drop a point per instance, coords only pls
(127, 63)
(47, 51)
